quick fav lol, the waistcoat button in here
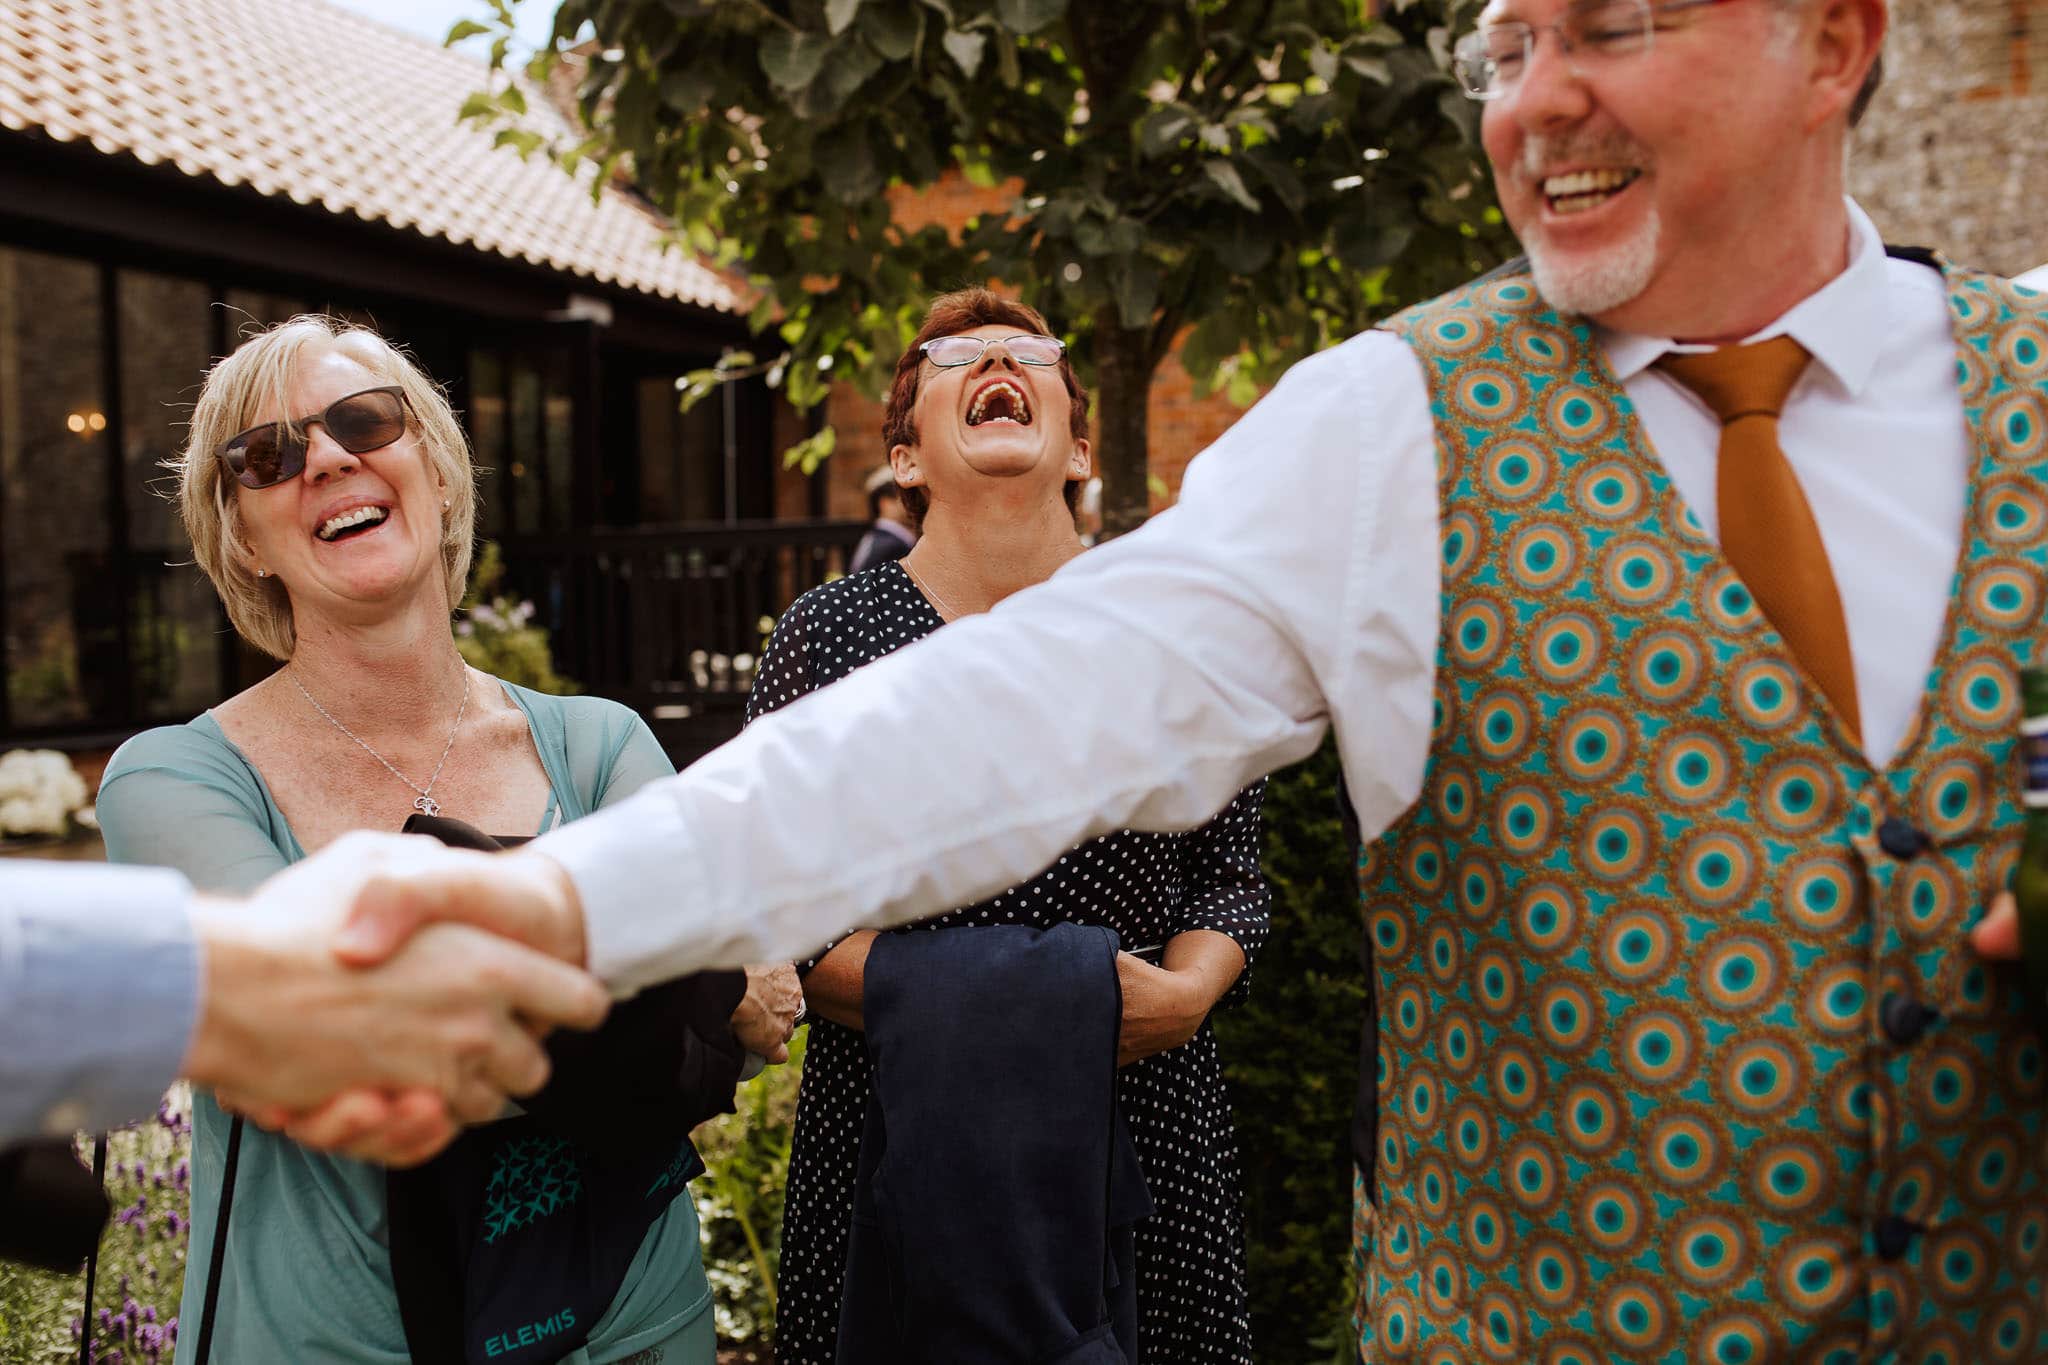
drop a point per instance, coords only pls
(1895, 1234)
(1905, 1018)
(1900, 839)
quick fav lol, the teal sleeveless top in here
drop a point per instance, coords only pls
(307, 1274)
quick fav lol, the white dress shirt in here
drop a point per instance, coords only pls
(1294, 586)
(99, 994)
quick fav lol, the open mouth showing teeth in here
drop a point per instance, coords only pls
(1583, 190)
(1001, 401)
(352, 523)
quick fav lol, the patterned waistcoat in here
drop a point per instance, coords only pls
(1683, 1057)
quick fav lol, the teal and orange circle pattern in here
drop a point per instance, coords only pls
(1633, 940)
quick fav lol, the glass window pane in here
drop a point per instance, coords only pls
(487, 434)
(250, 311)
(61, 649)
(558, 440)
(682, 455)
(175, 617)
(661, 496)
(527, 469)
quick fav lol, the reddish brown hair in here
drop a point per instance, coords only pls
(963, 311)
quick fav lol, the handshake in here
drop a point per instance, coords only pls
(373, 997)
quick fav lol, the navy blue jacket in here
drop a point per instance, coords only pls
(998, 1185)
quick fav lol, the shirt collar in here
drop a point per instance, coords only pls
(1841, 324)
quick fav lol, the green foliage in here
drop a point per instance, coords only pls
(142, 1257)
(46, 681)
(498, 637)
(739, 1198)
(1274, 173)
(1291, 1055)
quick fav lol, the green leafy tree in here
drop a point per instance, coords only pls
(1271, 173)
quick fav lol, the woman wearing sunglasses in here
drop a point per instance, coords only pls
(987, 430)
(328, 493)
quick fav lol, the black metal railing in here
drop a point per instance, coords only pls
(669, 619)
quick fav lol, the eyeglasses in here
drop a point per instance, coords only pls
(1027, 349)
(1490, 61)
(265, 456)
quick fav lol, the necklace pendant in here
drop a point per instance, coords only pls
(426, 805)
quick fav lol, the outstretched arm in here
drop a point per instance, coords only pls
(99, 991)
(1141, 686)
(113, 981)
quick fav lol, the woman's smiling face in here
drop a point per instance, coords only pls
(352, 529)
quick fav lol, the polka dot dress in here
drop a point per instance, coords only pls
(1147, 887)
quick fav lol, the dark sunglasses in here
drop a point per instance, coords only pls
(265, 456)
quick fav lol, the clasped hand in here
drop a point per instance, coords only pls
(766, 1017)
(1162, 1009)
(373, 996)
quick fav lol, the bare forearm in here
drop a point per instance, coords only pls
(834, 988)
(1204, 955)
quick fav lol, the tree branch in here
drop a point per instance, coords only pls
(1165, 326)
(1243, 54)
(762, 8)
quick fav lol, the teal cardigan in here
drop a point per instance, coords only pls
(307, 1273)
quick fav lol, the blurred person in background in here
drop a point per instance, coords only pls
(892, 533)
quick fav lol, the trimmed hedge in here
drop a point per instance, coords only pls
(1291, 1056)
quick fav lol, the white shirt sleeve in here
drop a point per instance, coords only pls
(1142, 686)
(99, 994)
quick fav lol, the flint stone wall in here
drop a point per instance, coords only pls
(1953, 153)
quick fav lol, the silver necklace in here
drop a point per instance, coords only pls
(941, 603)
(424, 803)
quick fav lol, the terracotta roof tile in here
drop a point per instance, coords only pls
(301, 100)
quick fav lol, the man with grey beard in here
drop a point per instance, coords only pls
(1667, 596)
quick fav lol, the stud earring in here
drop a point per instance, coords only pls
(445, 504)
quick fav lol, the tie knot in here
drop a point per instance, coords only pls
(1741, 381)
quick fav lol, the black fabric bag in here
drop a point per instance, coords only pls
(52, 1210)
(509, 1246)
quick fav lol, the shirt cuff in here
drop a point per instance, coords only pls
(106, 982)
(629, 864)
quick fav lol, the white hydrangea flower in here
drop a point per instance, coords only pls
(31, 815)
(39, 789)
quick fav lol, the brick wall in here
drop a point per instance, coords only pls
(1952, 153)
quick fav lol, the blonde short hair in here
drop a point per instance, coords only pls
(257, 376)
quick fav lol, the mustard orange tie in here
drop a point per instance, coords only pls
(1767, 529)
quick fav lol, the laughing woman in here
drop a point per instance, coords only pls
(328, 493)
(987, 429)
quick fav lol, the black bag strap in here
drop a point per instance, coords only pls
(218, 1261)
(92, 1258)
